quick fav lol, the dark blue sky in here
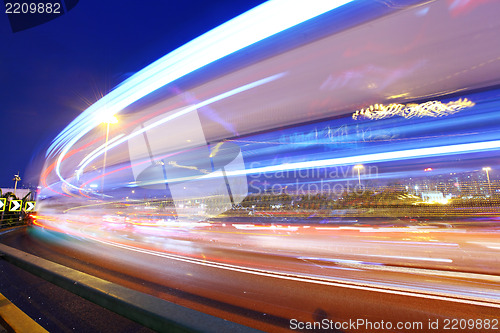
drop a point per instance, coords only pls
(50, 73)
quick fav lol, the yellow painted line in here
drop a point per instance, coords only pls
(16, 320)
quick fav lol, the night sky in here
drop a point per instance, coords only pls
(50, 73)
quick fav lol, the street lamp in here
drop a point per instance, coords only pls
(359, 167)
(487, 169)
(16, 179)
(108, 120)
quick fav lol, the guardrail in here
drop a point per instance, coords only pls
(147, 310)
(15, 211)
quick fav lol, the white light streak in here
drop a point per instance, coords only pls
(410, 258)
(369, 158)
(95, 151)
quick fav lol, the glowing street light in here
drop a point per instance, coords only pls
(108, 120)
(359, 167)
(487, 169)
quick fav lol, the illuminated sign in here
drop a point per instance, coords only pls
(427, 109)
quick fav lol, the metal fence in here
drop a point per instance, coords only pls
(12, 219)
